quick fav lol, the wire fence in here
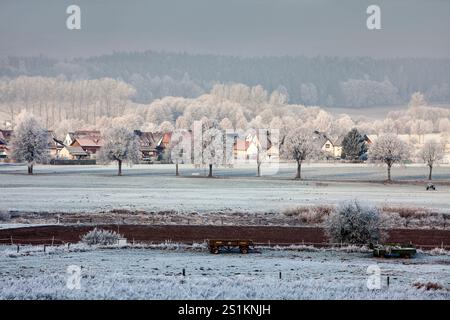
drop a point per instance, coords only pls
(50, 242)
(42, 241)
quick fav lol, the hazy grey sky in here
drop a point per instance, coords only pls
(412, 28)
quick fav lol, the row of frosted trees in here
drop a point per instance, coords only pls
(30, 145)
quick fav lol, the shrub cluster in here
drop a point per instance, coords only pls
(309, 215)
(100, 237)
(353, 223)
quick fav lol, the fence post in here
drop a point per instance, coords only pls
(53, 240)
(68, 246)
(44, 247)
(387, 281)
(12, 240)
(279, 275)
(18, 248)
(184, 272)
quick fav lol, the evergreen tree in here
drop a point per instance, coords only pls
(353, 145)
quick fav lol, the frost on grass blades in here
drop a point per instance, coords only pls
(238, 151)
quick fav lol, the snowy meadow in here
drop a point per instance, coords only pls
(156, 188)
(157, 274)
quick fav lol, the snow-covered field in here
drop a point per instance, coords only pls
(157, 274)
(155, 188)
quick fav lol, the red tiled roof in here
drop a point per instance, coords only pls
(76, 151)
(149, 140)
(241, 145)
(89, 142)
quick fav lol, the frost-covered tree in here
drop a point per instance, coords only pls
(323, 121)
(300, 145)
(279, 96)
(260, 139)
(421, 127)
(129, 121)
(389, 149)
(166, 126)
(358, 92)
(276, 123)
(431, 153)
(181, 123)
(342, 125)
(353, 145)
(121, 145)
(444, 125)
(353, 223)
(417, 100)
(308, 92)
(261, 153)
(212, 146)
(180, 148)
(29, 142)
(225, 124)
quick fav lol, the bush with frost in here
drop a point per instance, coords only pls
(353, 223)
(100, 237)
(5, 216)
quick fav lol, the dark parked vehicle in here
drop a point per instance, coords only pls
(394, 250)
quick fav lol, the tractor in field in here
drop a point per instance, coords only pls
(431, 186)
(393, 250)
(220, 244)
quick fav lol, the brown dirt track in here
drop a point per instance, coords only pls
(198, 233)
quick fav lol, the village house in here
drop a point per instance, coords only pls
(90, 145)
(5, 137)
(333, 149)
(73, 153)
(154, 146)
(247, 149)
(54, 145)
(72, 136)
(149, 144)
(240, 148)
(89, 140)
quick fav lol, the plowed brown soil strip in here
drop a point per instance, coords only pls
(198, 233)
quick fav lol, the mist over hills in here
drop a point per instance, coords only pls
(326, 81)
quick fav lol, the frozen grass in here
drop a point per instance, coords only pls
(154, 274)
(155, 188)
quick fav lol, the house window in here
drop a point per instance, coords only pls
(327, 146)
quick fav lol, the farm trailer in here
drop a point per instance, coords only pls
(216, 245)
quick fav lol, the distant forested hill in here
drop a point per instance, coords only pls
(327, 81)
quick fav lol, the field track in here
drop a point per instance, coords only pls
(272, 235)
